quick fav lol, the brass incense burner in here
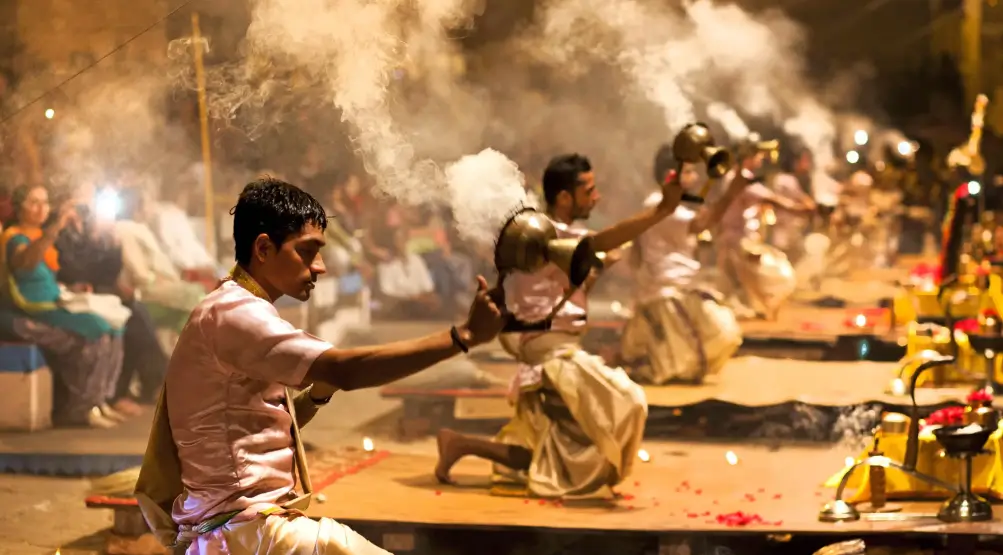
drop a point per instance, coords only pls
(528, 242)
(694, 144)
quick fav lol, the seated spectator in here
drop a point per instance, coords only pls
(405, 284)
(170, 224)
(452, 272)
(150, 271)
(83, 347)
(91, 257)
(345, 255)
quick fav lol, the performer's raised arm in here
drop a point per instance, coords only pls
(709, 216)
(570, 191)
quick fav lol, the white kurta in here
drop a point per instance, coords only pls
(678, 331)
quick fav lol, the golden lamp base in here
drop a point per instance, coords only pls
(886, 508)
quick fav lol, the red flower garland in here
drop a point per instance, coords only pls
(980, 396)
(970, 326)
(950, 416)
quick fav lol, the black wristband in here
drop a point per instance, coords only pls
(317, 402)
(454, 334)
(320, 402)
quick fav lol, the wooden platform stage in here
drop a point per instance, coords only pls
(688, 494)
(752, 397)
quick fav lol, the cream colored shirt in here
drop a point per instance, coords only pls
(225, 390)
(531, 297)
(142, 255)
(405, 277)
(668, 254)
(178, 237)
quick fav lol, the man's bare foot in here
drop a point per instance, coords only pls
(449, 453)
(127, 407)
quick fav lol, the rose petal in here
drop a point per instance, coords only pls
(777, 496)
(698, 491)
(437, 492)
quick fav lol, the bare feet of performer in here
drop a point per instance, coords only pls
(453, 446)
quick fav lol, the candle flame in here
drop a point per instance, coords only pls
(850, 461)
(731, 457)
(643, 455)
(367, 444)
(860, 320)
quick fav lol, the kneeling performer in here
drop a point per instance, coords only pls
(680, 330)
(578, 423)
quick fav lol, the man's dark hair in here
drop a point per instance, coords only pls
(275, 208)
(562, 174)
(665, 162)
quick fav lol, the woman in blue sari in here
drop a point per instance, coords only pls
(83, 350)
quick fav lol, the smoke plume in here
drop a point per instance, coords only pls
(584, 75)
(111, 128)
(718, 57)
(358, 51)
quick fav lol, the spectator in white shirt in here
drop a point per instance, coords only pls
(405, 282)
(170, 223)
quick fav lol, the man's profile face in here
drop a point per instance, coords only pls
(755, 162)
(586, 196)
(294, 267)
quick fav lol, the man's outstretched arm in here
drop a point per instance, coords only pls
(377, 365)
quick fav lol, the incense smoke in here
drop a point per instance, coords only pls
(585, 76)
(484, 180)
(113, 131)
(707, 55)
(729, 120)
(356, 49)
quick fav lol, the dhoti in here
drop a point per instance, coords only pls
(582, 420)
(284, 535)
(764, 274)
(685, 335)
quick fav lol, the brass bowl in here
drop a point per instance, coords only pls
(894, 423)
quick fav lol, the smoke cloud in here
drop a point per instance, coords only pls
(357, 50)
(111, 128)
(716, 57)
(612, 79)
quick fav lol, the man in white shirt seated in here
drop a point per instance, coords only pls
(170, 223)
(405, 283)
(149, 270)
